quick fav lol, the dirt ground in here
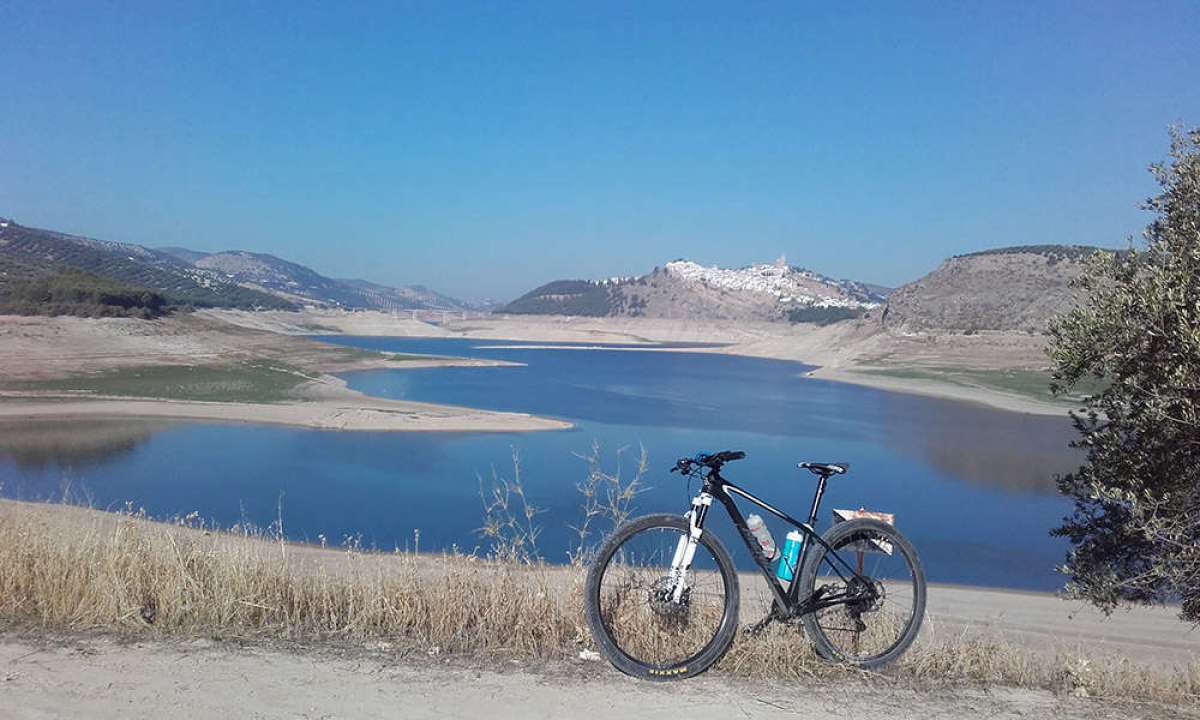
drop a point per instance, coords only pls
(77, 677)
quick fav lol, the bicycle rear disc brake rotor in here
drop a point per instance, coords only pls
(878, 608)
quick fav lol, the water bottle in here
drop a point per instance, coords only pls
(759, 530)
(786, 569)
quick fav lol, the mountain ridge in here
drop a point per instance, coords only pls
(1013, 288)
(235, 278)
(303, 285)
(27, 252)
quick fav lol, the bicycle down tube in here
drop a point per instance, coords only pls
(788, 601)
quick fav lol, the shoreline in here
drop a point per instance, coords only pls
(327, 404)
(835, 353)
(817, 348)
(941, 390)
(840, 352)
(994, 399)
(396, 416)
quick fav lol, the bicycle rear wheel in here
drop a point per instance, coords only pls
(634, 615)
(882, 606)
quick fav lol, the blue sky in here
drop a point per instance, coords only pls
(483, 149)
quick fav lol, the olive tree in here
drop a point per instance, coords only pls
(1135, 527)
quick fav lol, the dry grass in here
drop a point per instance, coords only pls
(125, 573)
(133, 574)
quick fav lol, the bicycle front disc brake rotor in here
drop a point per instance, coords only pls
(662, 598)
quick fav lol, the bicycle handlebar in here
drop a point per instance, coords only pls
(714, 461)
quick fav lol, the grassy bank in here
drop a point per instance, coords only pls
(89, 571)
(261, 380)
(1032, 384)
(252, 382)
(338, 354)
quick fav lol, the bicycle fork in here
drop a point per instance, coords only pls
(685, 549)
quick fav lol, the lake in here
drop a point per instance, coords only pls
(971, 487)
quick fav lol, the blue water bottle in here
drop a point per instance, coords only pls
(786, 569)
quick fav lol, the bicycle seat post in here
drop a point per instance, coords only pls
(822, 481)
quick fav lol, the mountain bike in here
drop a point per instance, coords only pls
(663, 595)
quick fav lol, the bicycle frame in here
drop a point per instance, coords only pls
(787, 601)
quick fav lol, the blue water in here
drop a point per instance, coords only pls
(970, 486)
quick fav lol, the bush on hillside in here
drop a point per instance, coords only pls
(70, 292)
(822, 315)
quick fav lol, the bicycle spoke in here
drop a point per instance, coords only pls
(874, 609)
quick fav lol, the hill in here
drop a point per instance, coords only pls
(684, 289)
(233, 279)
(30, 253)
(302, 285)
(1013, 288)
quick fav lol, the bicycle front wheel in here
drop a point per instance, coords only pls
(873, 581)
(649, 622)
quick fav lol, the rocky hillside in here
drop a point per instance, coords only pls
(27, 253)
(684, 289)
(234, 279)
(304, 286)
(1014, 288)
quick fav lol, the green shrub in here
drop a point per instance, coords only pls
(70, 292)
(822, 315)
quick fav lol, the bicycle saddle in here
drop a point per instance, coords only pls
(826, 469)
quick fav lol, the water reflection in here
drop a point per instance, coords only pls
(1011, 451)
(972, 443)
(40, 443)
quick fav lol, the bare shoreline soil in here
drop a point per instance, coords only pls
(38, 351)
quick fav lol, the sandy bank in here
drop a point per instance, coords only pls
(947, 391)
(329, 405)
(321, 414)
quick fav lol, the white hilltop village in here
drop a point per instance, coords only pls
(786, 283)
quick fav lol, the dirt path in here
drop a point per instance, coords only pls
(97, 678)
